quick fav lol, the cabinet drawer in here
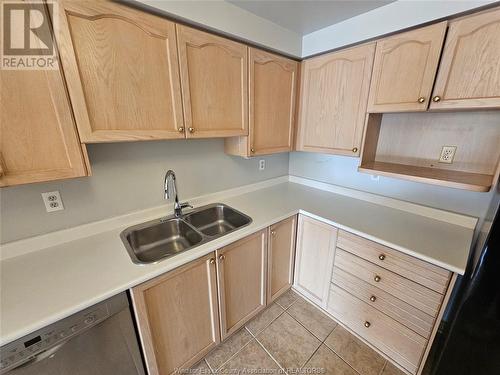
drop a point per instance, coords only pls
(429, 275)
(406, 290)
(404, 313)
(392, 338)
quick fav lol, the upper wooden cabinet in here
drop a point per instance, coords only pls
(272, 96)
(177, 316)
(281, 251)
(334, 93)
(122, 72)
(242, 271)
(469, 74)
(404, 70)
(38, 137)
(214, 77)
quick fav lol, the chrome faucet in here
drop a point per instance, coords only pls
(171, 191)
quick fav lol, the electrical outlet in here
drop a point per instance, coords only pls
(52, 201)
(447, 154)
(262, 165)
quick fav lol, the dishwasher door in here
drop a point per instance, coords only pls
(107, 348)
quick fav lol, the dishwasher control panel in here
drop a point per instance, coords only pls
(27, 348)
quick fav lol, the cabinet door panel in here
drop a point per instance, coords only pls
(38, 137)
(122, 72)
(314, 258)
(404, 70)
(334, 92)
(281, 251)
(469, 74)
(214, 84)
(242, 270)
(177, 316)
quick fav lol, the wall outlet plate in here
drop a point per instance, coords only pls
(52, 201)
(447, 154)
(262, 165)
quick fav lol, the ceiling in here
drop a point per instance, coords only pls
(306, 16)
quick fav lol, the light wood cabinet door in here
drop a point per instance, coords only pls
(38, 137)
(177, 316)
(314, 259)
(334, 93)
(214, 80)
(404, 70)
(242, 274)
(281, 254)
(122, 70)
(273, 86)
(469, 74)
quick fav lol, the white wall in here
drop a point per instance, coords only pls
(127, 177)
(229, 19)
(388, 18)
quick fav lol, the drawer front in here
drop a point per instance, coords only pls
(392, 338)
(406, 290)
(404, 313)
(429, 275)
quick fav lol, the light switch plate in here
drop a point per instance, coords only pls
(52, 201)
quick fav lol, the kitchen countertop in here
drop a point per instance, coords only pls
(43, 286)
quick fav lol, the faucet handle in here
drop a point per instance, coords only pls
(185, 205)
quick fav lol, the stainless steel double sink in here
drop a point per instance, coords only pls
(162, 238)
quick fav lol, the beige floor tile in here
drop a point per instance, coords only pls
(312, 318)
(288, 342)
(286, 299)
(359, 355)
(228, 348)
(390, 369)
(261, 321)
(326, 362)
(251, 359)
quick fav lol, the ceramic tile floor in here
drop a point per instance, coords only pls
(294, 336)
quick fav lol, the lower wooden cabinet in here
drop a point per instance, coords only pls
(280, 257)
(314, 259)
(241, 276)
(177, 316)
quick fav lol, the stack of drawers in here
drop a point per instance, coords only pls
(389, 298)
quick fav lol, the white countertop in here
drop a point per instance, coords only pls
(43, 286)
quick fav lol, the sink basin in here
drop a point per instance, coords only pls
(216, 220)
(162, 238)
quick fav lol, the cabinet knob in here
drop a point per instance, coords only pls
(373, 298)
(212, 260)
(436, 99)
(377, 278)
(381, 257)
(180, 130)
(273, 233)
(355, 149)
(367, 324)
(252, 150)
(191, 130)
(222, 257)
(421, 99)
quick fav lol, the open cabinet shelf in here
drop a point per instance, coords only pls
(408, 146)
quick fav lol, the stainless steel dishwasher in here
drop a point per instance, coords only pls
(99, 340)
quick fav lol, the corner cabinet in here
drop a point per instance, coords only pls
(404, 70)
(280, 257)
(38, 136)
(177, 316)
(214, 80)
(242, 278)
(122, 72)
(272, 96)
(334, 93)
(469, 74)
(314, 259)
